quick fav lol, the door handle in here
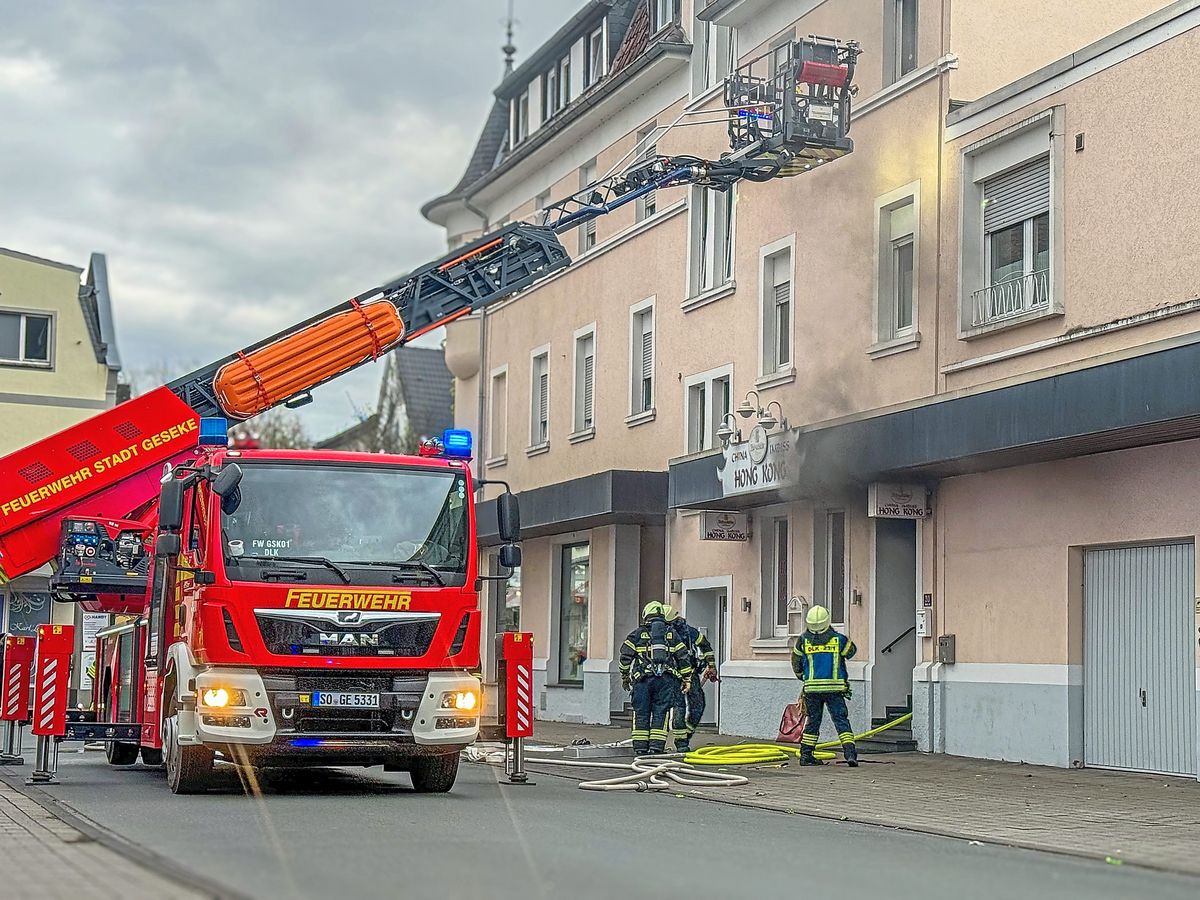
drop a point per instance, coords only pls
(1142, 695)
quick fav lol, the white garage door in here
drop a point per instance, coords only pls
(1139, 665)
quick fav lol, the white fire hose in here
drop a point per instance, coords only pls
(648, 773)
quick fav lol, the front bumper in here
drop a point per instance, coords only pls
(280, 719)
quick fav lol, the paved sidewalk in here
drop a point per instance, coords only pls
(42, 857)
(1137, 819)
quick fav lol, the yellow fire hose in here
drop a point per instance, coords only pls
(763, 754)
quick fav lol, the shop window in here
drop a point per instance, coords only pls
(776, 579)
(574, 592)
(25, 611)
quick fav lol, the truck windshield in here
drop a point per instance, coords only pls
(411, 519)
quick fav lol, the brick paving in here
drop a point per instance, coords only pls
(1136, 819)
(44, 858)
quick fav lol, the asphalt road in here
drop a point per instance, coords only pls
(348, 834)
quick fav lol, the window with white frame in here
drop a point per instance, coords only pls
(712, 239)
(539, 399)
(776, 280)
(25, 338)
(900, 39)
(596, 58)
(776, 578)
(556, 88)
(718, 56)
(585, 380)
(498, 420)
(540, 203)
(835, 564)
(1011, 244)
(641, 342)
(897, 249)
(519, 119)
(587, 231)
(663, 13)
(707, 399)
(647, 204)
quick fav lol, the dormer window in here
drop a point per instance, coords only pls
(519, 119)
(663, 13)
(596, 58)
(556, 88)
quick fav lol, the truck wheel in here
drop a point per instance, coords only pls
(189, 768)
(434, 774)
(152, 757)
(119, 754)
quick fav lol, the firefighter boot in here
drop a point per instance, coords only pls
(851, 754)
(807, 758)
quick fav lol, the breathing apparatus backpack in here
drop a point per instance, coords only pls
(660, 655)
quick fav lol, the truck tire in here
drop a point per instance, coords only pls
(152, 757)
(189, 768)
(120, 754)
(434, 774)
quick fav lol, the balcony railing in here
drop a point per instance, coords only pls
(1010, 299)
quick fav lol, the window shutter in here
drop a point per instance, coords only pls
(1017, 195)
(783, 293)
(648, 353)
(543, 397)
(589, 365)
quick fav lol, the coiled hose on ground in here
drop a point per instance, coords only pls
(661, 773)
(761, 754)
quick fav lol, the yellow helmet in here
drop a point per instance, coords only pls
(817, 619)
(653, 608)
(669, 612)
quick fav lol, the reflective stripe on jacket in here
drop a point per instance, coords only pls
(820, 661)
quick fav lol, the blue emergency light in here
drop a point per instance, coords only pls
(456, 442)
(214, 432)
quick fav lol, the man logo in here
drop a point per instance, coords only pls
(349, 617)
(336, 639)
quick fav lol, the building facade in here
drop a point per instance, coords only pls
(58, 366)
(943, 386)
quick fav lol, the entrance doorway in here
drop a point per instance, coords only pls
(706, 609)
(1139, 706)
(894, 640)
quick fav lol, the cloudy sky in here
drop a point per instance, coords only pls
(243, 163)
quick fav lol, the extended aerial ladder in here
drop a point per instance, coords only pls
(787, 113)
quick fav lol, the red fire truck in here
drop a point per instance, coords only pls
(290, 608)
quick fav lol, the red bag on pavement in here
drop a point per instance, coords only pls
(791, 725)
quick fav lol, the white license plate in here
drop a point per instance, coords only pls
(343, 698)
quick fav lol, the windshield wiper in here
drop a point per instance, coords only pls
(311, 560)
(407, 564)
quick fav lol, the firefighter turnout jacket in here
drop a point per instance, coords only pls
(655, 648)
(703, 657)
(819, 660)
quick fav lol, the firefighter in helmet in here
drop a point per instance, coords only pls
(655, 666)
(689, 708)
(819, 660)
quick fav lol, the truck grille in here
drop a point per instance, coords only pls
(291, 633)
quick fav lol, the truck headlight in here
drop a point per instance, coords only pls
(464, 701)
(221, 697)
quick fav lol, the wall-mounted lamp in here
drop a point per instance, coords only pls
(747, 409)
(856, 597)
(768, 421)
(729, 432)
(745, 604)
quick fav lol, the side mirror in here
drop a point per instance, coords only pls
(170, 506)
(510, 556)
(227, 479)
(508, 516)
(167, 545)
